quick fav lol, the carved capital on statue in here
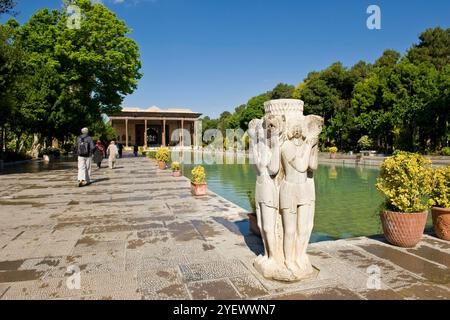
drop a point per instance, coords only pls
(284, 107)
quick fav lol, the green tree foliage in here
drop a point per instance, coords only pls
(70, 77)
(253, 109)
(233, 122)
(103, 131)
(6, 6)
(434, 47)
(365, 142)
(328, 93)
(11, 54)
(282, 91)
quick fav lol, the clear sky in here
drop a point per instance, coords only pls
(213, 55)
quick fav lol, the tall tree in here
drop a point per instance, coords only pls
(6, 6)
(85, 72)
(11, 55)
(253, 109)
(282, 91)
(434, 47)
(372, 105)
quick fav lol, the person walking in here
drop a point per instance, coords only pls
(85, 148)
(99, 153)
(135, 149)
(113, 154)
(119, 149)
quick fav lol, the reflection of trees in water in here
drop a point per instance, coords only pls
(363, 173)
(347, 202)
(236, 176)
(64, 163)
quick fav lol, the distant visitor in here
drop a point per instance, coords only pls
(85, 149)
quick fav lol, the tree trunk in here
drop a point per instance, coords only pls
(2, 141)
(36, 146)
(18, 141)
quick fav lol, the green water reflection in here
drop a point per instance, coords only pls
(347, 200)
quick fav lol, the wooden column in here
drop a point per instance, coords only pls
(163, 138)
(192, 132)
(145, 133)
(197, 133)
(182, 133)
(126, 132)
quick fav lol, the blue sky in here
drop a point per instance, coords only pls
(213, 55)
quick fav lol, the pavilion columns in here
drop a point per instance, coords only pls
(145, 133)
(197, 134)
(164, 133)
(126, 132)
(182, 133)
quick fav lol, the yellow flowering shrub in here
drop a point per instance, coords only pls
(198, 175)
(332, 149)
(440, 193)
(405, 180)
(175, 166)
(162, 154)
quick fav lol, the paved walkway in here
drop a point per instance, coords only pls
(137, 233)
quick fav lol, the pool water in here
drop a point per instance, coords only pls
(347, 202)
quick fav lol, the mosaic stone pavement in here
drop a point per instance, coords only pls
(137, 233)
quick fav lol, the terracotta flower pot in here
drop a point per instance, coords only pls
(162, 165)
(253, 224)
(176, 173)
(403, 229)
(198, 189)
(333, 155)
(441, 222)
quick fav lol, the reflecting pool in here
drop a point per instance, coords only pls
(347, 202)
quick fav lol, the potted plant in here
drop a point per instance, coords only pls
(162, 155)
(252, 217)
(333, 150)
(176, 172)
(198, 183)
(405, 181)
(440, 202)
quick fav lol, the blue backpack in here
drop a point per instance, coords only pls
(84, 148)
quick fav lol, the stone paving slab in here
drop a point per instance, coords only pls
(137, 233)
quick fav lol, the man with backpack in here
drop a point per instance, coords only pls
(85, 149)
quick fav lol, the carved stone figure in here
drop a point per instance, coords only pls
(266, 157)
(284, 145)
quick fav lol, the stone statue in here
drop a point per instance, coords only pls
(265, 148)
(284, 146)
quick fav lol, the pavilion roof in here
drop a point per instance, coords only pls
(155, 111)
